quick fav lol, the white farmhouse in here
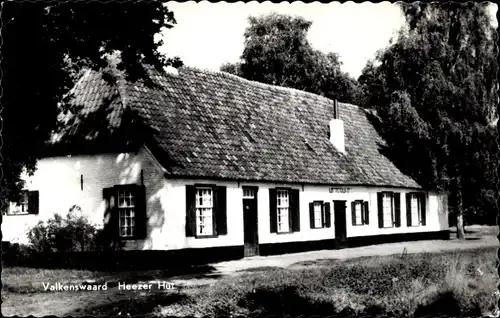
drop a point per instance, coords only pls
(207, 160)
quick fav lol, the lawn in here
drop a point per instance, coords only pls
(23, 291)
(412, 285)
(454, 283)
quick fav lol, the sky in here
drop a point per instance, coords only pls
(209, 34)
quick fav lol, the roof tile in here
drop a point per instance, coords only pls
(217, 125)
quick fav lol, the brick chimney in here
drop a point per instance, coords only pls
(337, 129)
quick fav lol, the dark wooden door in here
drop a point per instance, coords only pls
(339, 208)
(250, 222)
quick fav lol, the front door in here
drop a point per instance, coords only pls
(250, 228)
(339, 208)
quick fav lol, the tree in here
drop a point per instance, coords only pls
(45, 48)
(232, 68)
(277, 52)
(372, 85)
(435, 91)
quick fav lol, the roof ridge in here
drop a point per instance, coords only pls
(353, 106)
(260, 84)
(120, 87)
(256, 83)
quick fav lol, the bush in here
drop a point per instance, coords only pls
(15, 254)
(70, 234)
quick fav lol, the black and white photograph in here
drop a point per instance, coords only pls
(249, 159)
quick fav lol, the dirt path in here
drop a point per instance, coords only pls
(238, 267)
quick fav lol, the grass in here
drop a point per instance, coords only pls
(24, 280)
(23, 293)
(414, 285)
(476, 230)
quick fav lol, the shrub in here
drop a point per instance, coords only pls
(15, 254)
(70, 234)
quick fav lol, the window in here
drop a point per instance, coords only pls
(318, 214)
(359, 210)
(389, 212)
(415, 209)
(27, 204)
(23, 203)
(284, 211)
(204, 211)
(283, 204)
(357, 213)
(22, 206)
(248, 193)
(387, 209)
(126, 212)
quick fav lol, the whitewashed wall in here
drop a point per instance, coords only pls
(175, 212)
(58, 182)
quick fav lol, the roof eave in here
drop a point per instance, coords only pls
(332, 184)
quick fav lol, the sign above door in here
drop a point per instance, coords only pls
(340, 190)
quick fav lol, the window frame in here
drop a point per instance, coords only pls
(361, 212)
(249, 192)
(119, 210)
(393, 219)
(196, 207)
(219, 210)
(111, 199)
(25, 194)
(322, 214)
(420, 211)
(288, 207)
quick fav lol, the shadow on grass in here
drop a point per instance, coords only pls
(288, 301)
(259, 269)
(445, 304)
(137, 306)
(283, 301)
(318, 262)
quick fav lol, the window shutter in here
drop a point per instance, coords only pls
(141, 225)
(408, 209)
(273, 218)
(311, 214)
(33, 202)
(366, 212)
(295, 209)
(423, 209)
(353, 212)
(111, 225)
(190, 210)
(322, 205)
(397, 209)
(380, 210)
(328, 221)
(214, 211)
(220, 210)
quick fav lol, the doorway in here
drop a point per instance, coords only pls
(339, 208)
(250, 221)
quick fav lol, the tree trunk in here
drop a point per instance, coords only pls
(460, 216)
(460, 226)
